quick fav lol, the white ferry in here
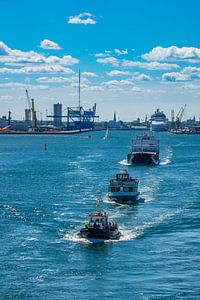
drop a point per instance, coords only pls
(145, 151)
(123, 188)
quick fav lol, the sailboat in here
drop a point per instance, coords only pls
(106, 135)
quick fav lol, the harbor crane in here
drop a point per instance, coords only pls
(179, 116)
(31, 110)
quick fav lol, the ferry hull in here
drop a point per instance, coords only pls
(92, 233)
(143, 158)
(123, 198)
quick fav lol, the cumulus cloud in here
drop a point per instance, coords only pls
(149, 65)
(55, 79)
(93, 88)
(173, 52)
(47, 44)
(73, 81)
(121, 52)
(118, 73)
(186, 74)
(37, 69)
(83, 19)
(175, 76)
(14, 56)
(141, 77)
(18, 85)
(108, 60)
(102, 54)
(117, 83)
(89, 74)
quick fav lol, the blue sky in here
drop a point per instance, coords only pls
(134, 56)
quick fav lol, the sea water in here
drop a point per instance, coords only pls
(45, 197)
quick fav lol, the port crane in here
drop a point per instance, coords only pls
(31, 109)
(179, 116)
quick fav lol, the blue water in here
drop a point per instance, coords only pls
(45, 197)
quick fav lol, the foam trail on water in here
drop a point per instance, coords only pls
(167, 160)
(124, 162)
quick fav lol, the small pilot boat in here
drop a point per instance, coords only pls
(98, 227)
(123, 188)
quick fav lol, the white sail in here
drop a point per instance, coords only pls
(106, 135)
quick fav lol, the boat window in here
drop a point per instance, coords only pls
(121, 189)
(130, 189)
(112, 189)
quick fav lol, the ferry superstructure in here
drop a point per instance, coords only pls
(123, 188)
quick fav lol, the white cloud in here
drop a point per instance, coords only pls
(118, 73)
(65, 60)
(61, 79)
(93, 89)
(121, 52)
(18, 85)
(89, 74)
(192, 72)
(188, 73)
(108, 60)
(141, 77)
(47, 44)
(13, 56)
(136, 89)
(149, 65)
(102, 54)
(175, 76)
(173, 52)
(126, 82)
(118, 83)
(37, 69)
(84, 18)
(55, 79)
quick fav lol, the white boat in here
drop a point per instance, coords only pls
(106, 135)
(158, 121)
(123, 188)
(145, 151)
(99, 228)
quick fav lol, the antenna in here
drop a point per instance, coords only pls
(79, 88)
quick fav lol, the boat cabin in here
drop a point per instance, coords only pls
(122, 176)
(99, 220)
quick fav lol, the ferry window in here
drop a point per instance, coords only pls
(121, 189)
(130, 189)
(112, 189)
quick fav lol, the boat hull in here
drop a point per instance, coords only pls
(123, 198)
(159, 126)
(92, 233)
(143, 158)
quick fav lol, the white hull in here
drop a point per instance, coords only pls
(158, 126)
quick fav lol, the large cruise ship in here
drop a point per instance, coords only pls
(158, 121)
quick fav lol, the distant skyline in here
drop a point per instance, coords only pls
(134, 56)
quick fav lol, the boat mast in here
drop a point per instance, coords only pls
(79, 89)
